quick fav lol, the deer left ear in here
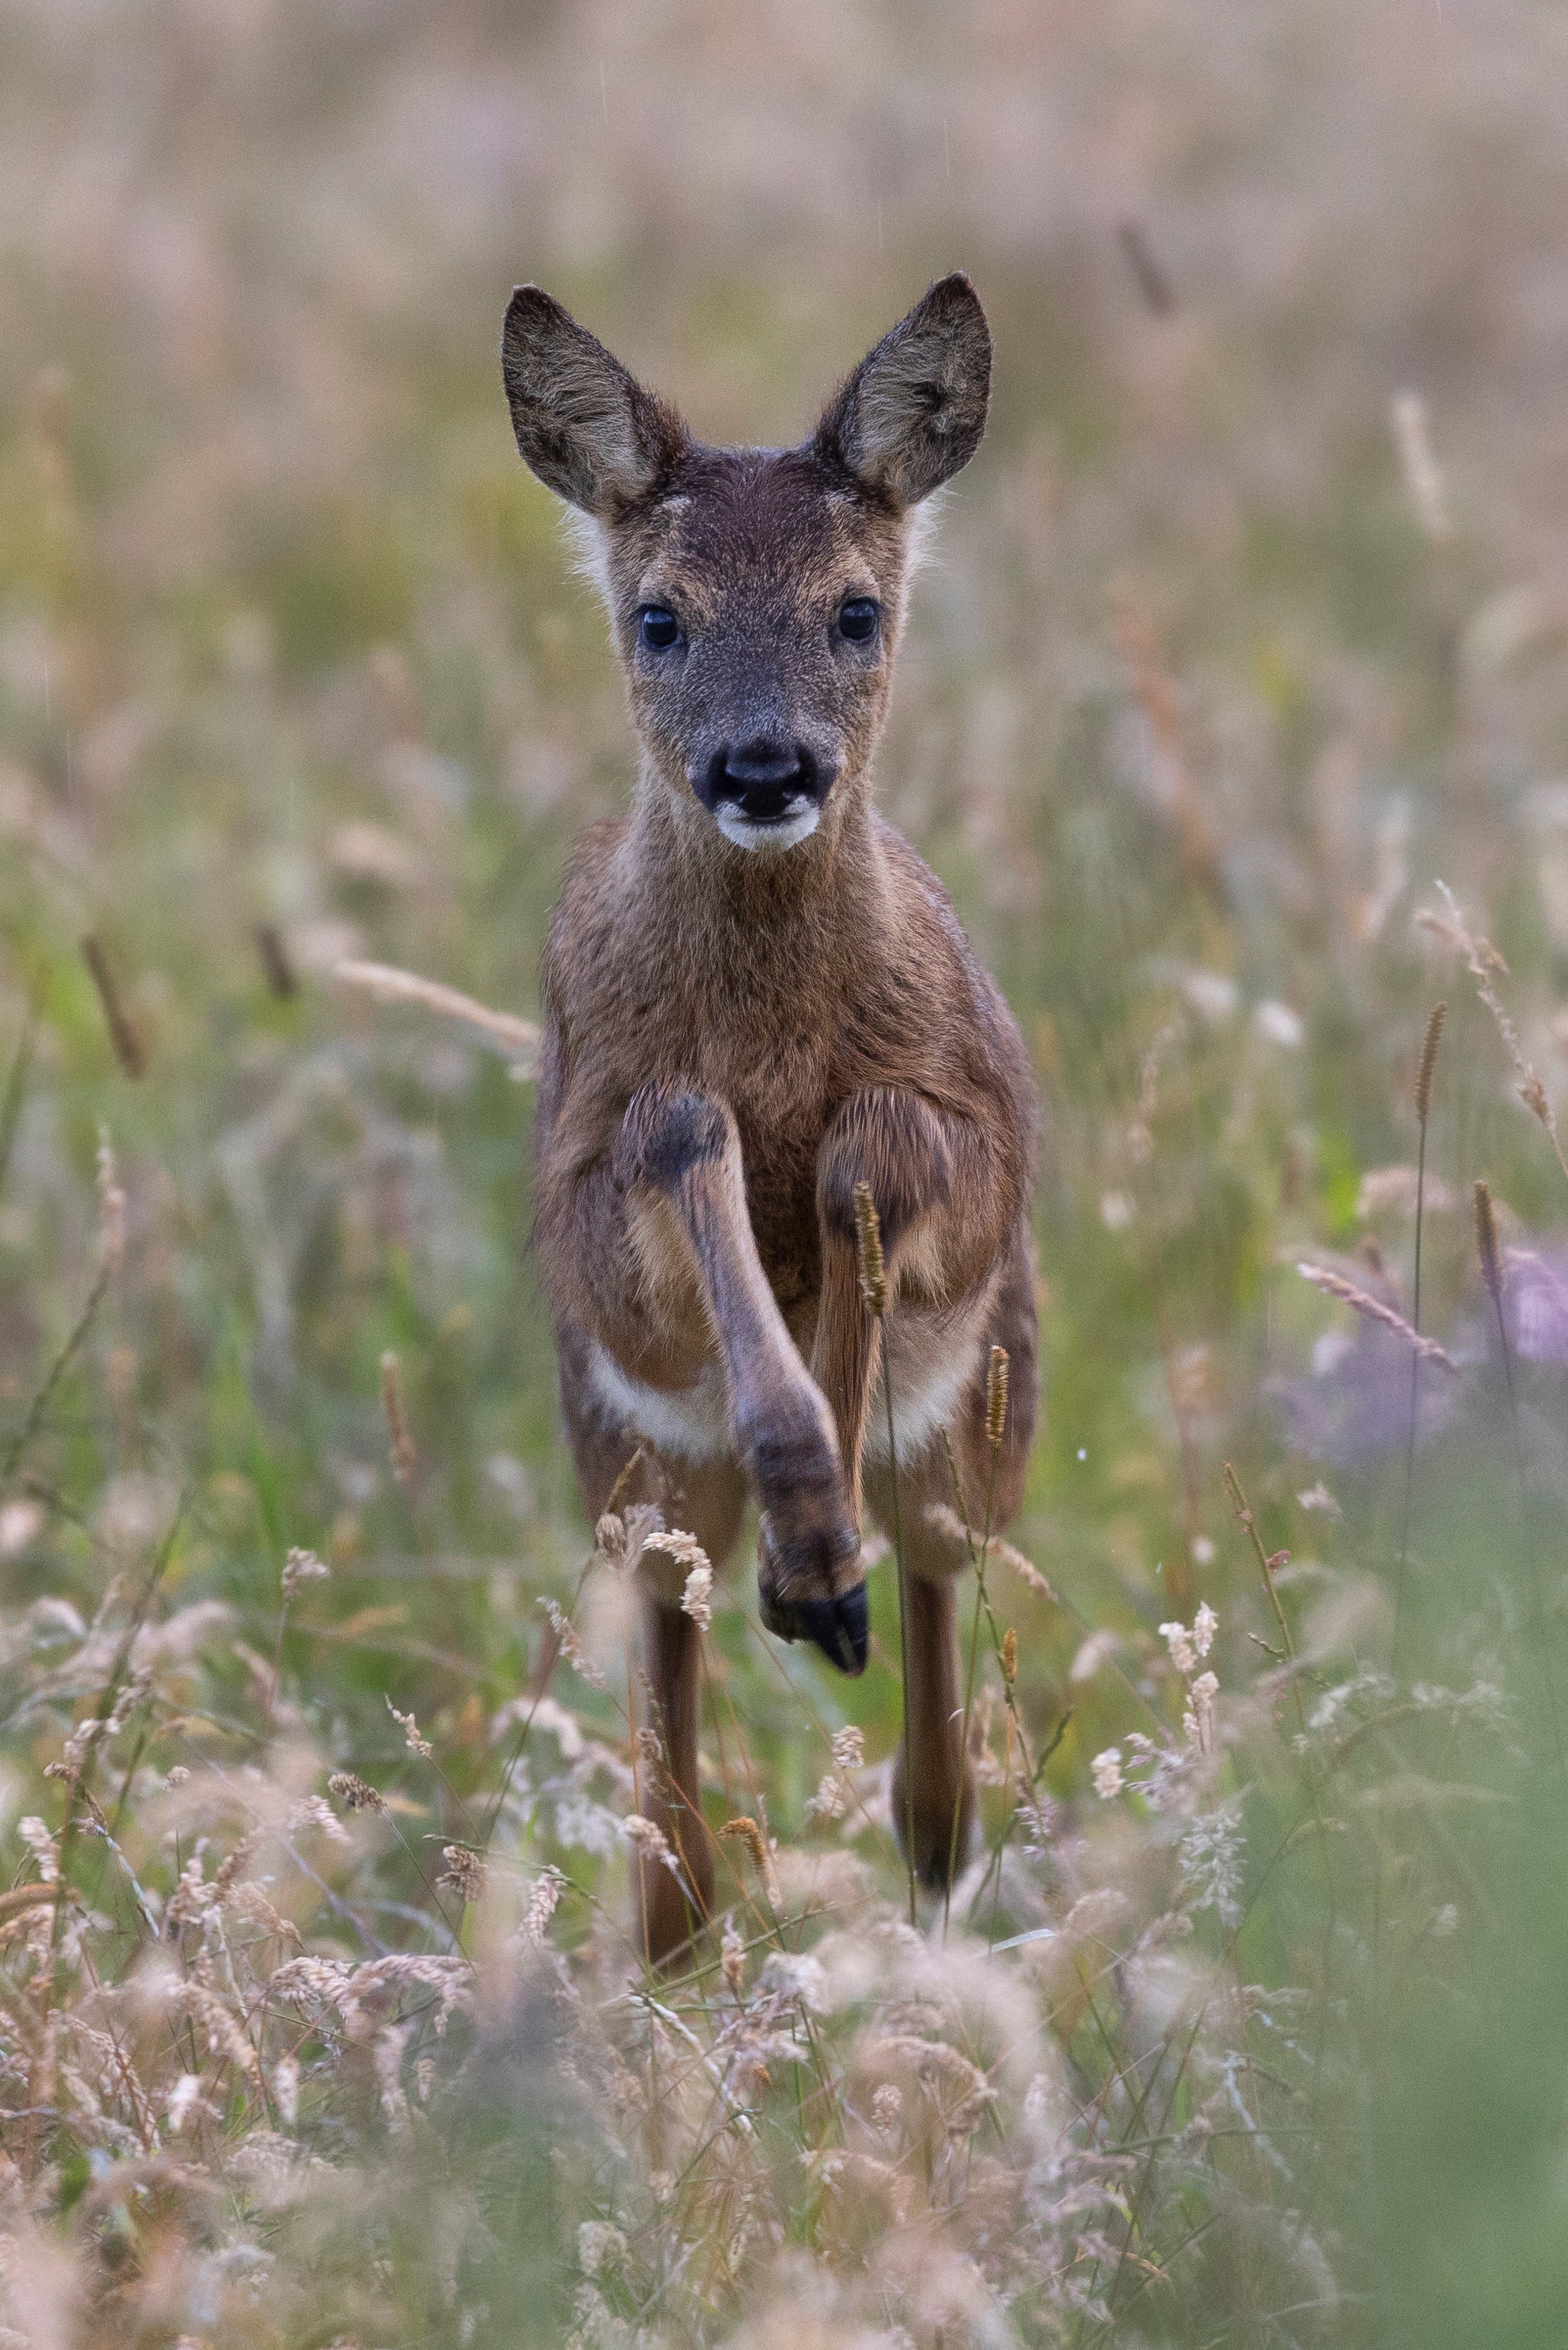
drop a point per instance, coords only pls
(913, 411)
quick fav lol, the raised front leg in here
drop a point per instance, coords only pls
(680, 1154)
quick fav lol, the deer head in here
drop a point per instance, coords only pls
(756, 595)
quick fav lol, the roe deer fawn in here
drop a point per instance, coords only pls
(756, 998)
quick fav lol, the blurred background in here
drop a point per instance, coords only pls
(1247, 624)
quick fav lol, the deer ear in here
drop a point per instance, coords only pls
(584, 425)
(914, 409)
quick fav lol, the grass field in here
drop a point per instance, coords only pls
(320, 2022)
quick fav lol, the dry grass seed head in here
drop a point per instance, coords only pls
(387, 984)
(410, 1730)
(400, 1436)
(1483, 960)
(1423, 475)
(622, 1536)
(1486, 1241)
(868, 1243)
(945, 1520)
(1372, 1309)
(302, 1566)
(570, 1644)
(996, 1396)
(746, 1830)
(542, 1903)
(110, 1208)
(1426, 1066)
(356, 1794)
(123, 1033)
(462, 1870)
(696, 1597)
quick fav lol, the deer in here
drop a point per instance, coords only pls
(757, 1001)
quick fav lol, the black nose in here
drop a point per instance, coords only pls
(765, 777)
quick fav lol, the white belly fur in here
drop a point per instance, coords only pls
(934, 1356)
(684, 1423)
(935, 1353)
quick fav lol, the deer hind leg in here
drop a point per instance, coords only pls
(707, 1500)
(933, 1784)
(679, 1151)
(933, 1780)
(674, 1904)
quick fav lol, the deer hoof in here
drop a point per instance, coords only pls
(840, 1626)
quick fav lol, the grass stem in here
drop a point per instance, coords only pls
(20, 1070)
(995, 1448)
(1415, 1400)
(1494, 1276)
(1425, 1072)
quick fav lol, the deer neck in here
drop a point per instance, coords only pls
(720, 902)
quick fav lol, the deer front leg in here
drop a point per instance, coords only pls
(895, 1143)
(679, 1150)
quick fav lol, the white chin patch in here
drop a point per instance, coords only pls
(783, 835)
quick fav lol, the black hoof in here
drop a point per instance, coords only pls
(840, 1627)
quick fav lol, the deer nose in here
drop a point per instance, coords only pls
(764, 776)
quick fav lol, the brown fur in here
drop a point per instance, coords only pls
(738, 1035)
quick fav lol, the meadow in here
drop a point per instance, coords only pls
(1231, 711)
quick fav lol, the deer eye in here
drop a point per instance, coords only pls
(858, 620)
(658, 629)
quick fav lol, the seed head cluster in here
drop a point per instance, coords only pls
(869, 1239)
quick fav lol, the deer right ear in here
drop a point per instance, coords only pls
(584, 425)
